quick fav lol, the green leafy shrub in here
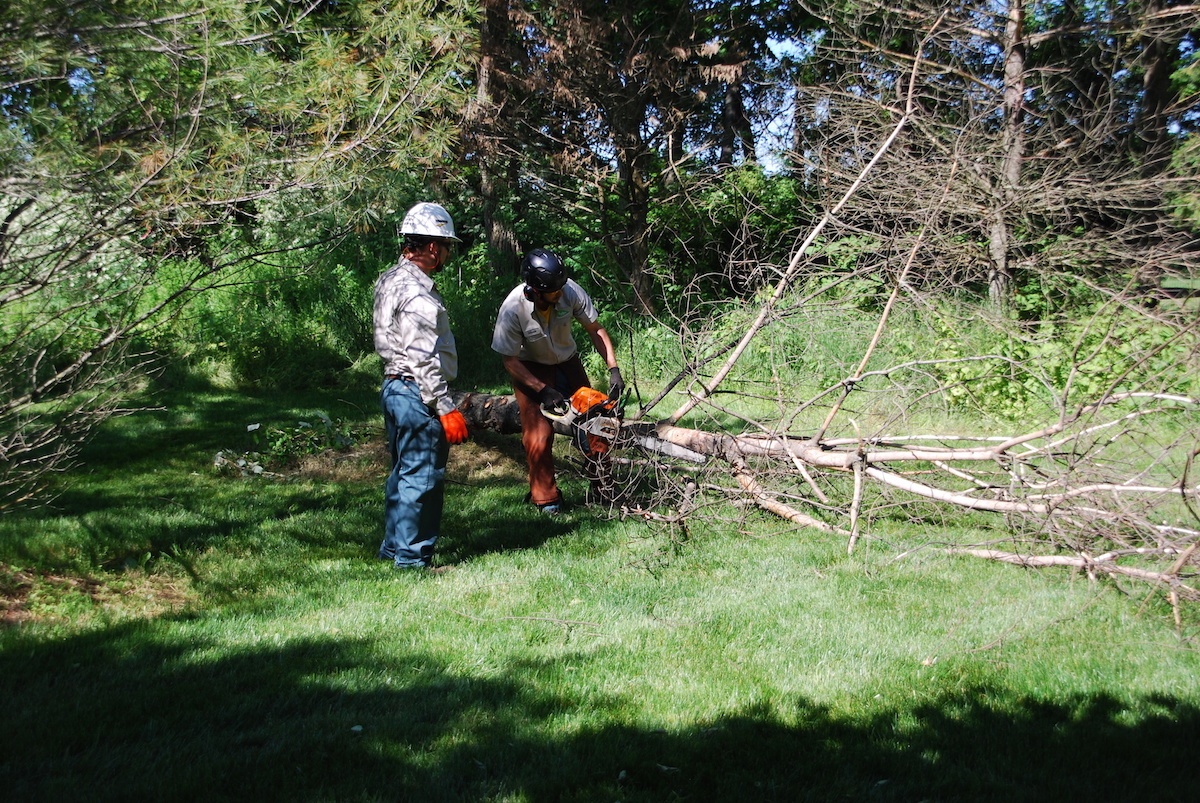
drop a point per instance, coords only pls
(278, 447)
(1067, 362)
(280, 325)
(847, 272)
(282, 443)
(736, 225)
(473, 294)
(986, 372)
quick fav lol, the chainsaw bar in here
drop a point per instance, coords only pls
(670, 449)
(608, 428)
(601, 417)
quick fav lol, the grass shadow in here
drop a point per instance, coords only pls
(125, 714)
(178, 424)
(474, 530)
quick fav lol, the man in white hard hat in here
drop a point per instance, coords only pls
(412, 335)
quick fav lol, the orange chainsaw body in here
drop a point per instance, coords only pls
(584, 399)
(589, 403)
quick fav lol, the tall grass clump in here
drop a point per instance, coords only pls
(298, 325)
(306, 322)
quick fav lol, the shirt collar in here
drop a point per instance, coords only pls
(419, 275)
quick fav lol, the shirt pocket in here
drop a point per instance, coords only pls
(534, 333)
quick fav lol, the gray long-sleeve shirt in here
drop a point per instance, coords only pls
(412, 333)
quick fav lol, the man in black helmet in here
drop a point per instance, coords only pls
(533, 336)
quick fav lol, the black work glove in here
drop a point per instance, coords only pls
(551, 399)
(616, 383)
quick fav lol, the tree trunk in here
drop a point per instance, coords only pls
(503, 248)
(735, 128)
(488, 412)
(1158, 60)
(632, 239)
(1000, 272)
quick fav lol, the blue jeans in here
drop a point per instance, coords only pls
(415, 488)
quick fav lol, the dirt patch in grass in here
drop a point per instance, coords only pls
(365, 462)
(14, 595)
(486, 457)
(28, 595)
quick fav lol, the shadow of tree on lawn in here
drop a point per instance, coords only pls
(120, 715)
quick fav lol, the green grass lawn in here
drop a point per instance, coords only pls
(173, 633)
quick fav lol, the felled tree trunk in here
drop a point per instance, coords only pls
(492, 413)
(501, 414)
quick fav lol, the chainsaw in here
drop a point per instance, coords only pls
(593, 414)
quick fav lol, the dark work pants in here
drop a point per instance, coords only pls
(537, 434)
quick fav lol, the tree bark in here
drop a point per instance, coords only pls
(1158, 62)
(481, 133)
(1000, 273)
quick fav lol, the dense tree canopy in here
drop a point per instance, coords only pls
(633, 123)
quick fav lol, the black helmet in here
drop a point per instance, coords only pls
(543, 271)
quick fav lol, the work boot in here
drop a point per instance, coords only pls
(552, 508)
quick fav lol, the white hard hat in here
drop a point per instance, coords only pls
(429, 220)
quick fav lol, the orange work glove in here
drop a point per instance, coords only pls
(455, 426)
